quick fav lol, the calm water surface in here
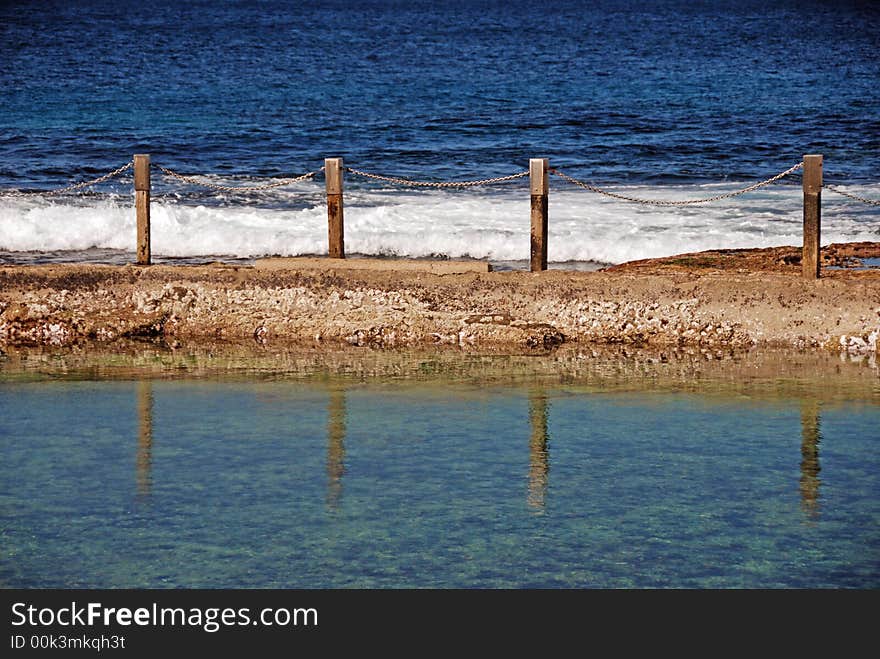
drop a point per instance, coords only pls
(373, 482)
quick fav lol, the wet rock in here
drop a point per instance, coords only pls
(547, 340)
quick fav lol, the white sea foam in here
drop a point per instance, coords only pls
(488, 225)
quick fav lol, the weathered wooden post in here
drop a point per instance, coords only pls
(810, 261)
(539, 188)
(335, 225)
(142, 207)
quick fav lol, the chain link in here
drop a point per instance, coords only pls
(434, 184)
(687, 202)
(69, 188)
(873, 202)
(236, 188)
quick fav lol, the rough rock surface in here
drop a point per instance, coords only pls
(719, 300)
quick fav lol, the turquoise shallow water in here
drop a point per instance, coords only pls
(378, 483)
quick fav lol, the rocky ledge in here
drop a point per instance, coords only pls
(695, 300)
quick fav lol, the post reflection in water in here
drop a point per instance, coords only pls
(144, 459)
(810, 438)
(335, 447)
(539, 462)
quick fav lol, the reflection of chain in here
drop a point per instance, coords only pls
(236, 188)
(664, 202)
(433, 184)
(873, 202)
(70, 188)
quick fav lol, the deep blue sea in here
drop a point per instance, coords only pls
(672, 99)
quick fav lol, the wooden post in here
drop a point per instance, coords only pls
(335, 225)
(142, 207)
(539, 188)
(810, 261)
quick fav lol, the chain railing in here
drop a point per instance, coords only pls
(538, 172)
(864, 200)
(192, 180)
(198, 180)
(668, 202)
(437, 184)
(69, 188)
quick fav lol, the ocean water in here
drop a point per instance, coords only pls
(672, 99)
(634, 476)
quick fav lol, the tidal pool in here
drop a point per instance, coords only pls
(585, 471)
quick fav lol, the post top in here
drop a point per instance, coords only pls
(813, 166)
(333, 175)
(142, 172)
(538, 176)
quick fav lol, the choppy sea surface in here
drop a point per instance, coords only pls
(669, 100)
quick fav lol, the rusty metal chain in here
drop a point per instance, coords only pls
(665, 202)
(434, 184)
(69, 188)
(236, 188)
(873, 202)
